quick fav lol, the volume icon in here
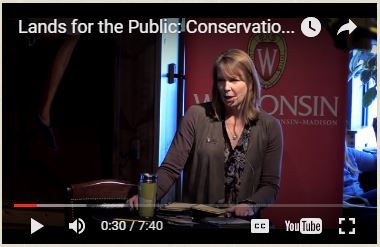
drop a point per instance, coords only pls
(77, 226)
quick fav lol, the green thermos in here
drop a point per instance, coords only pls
(147, 194)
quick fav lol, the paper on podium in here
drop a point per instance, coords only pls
(179, 207)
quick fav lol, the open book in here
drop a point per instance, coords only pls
(180, 207)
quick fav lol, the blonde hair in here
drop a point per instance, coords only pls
(232, 61)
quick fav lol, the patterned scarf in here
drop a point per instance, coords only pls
(234, 163)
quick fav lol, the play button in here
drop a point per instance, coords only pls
(35, 225)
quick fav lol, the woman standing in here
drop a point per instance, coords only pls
(229, 149)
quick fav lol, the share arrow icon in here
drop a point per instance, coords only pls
(350, 26)
(35, 225)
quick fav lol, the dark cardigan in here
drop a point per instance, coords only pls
(198, 148)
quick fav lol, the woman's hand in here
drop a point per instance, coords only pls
(241, 210)
(133, 202)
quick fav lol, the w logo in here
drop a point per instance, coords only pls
(266, 61)
(269, 53)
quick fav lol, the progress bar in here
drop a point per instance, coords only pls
(68, 205)
(126, 205)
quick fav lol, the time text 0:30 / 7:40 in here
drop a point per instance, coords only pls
(140, 225)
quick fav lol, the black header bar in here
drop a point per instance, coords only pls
(189, 10)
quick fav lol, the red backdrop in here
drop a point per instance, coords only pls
(309, 99)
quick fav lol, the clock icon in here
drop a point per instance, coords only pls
(310, 27)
